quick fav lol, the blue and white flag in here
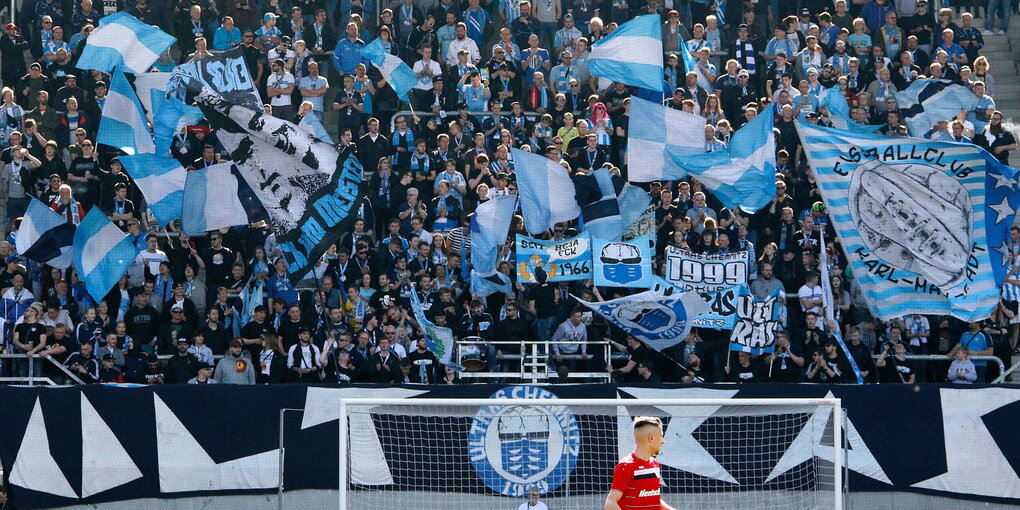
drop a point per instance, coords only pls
(102, 253)
(311, 124)
(654, 129)
(439, 339)
(596, 193)
(691, 66)
(757, 322)
(161, 180)
(926, 102)
(484, 285)
(1002, 194)
(123, 41)
(251, 297)
(632, 54)
(566, 260)
(542, 185)
(215, 197)
(123, 125)
(623, 263)
(171, 116)
(45, 236)
(393, 70)
(490, 225)
(839, 111)
(661, 317)
(742, 175)
(913, 217)
(720, 305)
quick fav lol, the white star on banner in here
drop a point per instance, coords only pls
(1002, 210)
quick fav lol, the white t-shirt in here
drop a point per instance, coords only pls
(152, 259)
(425, 80)
(281, 81)
(537, 506)
(810, 293)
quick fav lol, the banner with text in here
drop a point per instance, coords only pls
(569, 259)
(225, 72)
(702, 272)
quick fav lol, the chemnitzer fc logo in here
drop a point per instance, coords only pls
(515, 448)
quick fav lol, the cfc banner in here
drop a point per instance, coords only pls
(701, 272)
(565, 260)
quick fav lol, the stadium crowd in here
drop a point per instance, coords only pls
(491, 76)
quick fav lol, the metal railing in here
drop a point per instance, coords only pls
(533, 359)
(32, 379)
(942, 357)
(422, 115)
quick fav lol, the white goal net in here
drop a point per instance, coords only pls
(488, 454)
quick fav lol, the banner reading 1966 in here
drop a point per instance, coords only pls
(565, 260)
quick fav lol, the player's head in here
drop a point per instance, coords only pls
(648, 433)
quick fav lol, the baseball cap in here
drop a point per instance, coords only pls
(673, 13)
(805, 12)
(12, 26)
(260, 308)
(818, 206)
(108, 357)
(568, 16)
(743, 72)
(812, 71)
(183, 339)
(35, 65)
(743, 26)
(235, 343)
(204, 366)
(268, 16)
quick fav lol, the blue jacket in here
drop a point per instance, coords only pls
(347, 55)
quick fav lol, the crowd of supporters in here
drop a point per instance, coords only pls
(491, 76)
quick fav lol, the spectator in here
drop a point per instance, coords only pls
(962, 369)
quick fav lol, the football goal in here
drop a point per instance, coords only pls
(489, 454)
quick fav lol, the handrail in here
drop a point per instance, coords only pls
(941, 357)
(31, 379)
(1002, 377)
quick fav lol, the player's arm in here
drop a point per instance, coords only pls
(612, 500)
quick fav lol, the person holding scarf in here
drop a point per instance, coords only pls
(66, 206)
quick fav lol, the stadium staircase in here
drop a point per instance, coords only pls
(1003, 53)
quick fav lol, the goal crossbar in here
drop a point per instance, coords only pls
(835, 403)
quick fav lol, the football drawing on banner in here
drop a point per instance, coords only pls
(565, 260)
(914, 220)
(702, 272)
(623, 263)
(662, 317)
(756, 323)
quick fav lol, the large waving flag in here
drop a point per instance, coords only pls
(543, 184)
(161, 180)
(744, 174)
(123, 41)
(214, 199)
(691, 65)
(926, 102)
(102, 253)
(661, 317)
(916, 218)
(597, 194)
(439, 339)
(632, 54)
(490, 226)
(654, 129)
(123, 123)
(839, 111)
(393, 70)
(45, 236)
(171, 116)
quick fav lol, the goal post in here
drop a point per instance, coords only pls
(483, 454)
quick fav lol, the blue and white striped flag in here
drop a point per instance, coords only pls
(102, 253)
(744, 174)
(545, 189)
(45, 236)
(654, 129)
(214, 198)
(439, 339)
(171, 116)
(393, 70)
(597, 194)
(912, 216)
(123, 123)
(926, 102)
(632, 54)
(839, 111)
(161, 180)
(123, 41)
(691, 65)
(490, 226)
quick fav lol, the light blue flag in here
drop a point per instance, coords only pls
(490, 225)
(757, 323)
(661, 317)
(161, 180)
(839, 111)
(45, 236)
(102, 253)
(438, 339)
(926, 102)
(171, 116)
(742, 175)
(212, 200)
(311, 124)
(123, 41)
(720, 305)
(546, 191)
(596, 194)
(393, 70)
(623, 263)
(566, 260)
(691, 65)
(123, 125)
(251, 297)
(654, 129)
(913, 218)
(632, 54)
(484, 285)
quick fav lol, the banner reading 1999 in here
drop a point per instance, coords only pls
(564, 260)
(699, 272)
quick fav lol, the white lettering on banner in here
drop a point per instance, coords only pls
(705, 273)
(646, 492)
(228, 75)
(756, 325)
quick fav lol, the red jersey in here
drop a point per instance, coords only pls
(639, 481)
